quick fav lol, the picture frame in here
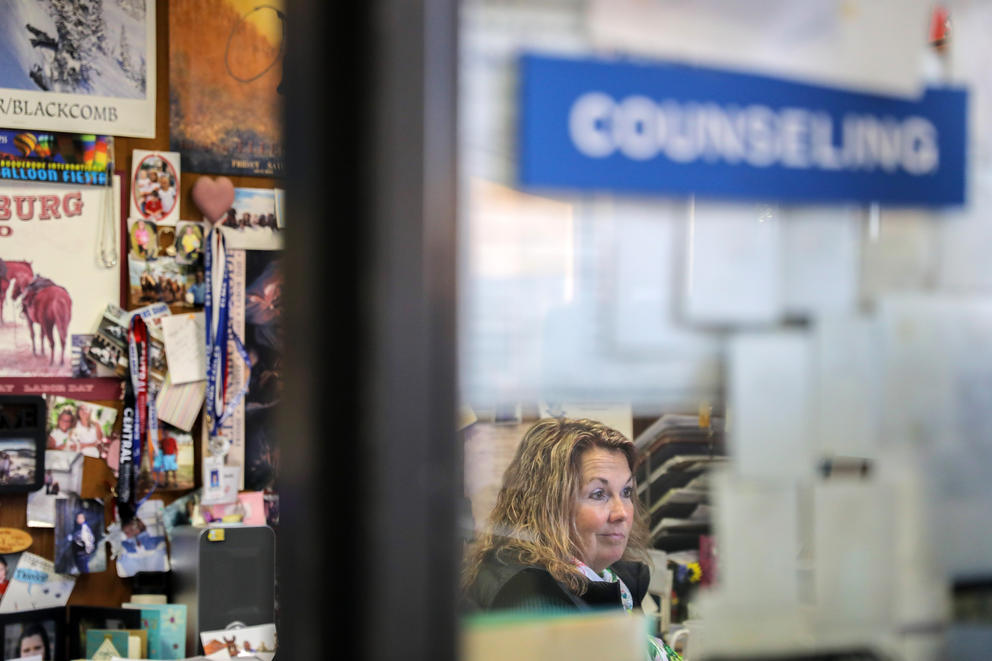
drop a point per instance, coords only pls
(22, 443)
(32, 631)
(83, 618)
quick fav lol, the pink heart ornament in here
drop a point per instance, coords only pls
(213, 197)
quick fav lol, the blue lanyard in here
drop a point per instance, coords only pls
(219, 334)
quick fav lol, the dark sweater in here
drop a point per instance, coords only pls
(504, 584)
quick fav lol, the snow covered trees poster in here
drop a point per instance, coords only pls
(84, 66)
(225, 82)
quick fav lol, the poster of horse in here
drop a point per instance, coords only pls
(53, 284)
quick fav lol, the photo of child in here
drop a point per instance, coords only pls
(154, 183)
(79, 536)
(190, 242)
(144, 239)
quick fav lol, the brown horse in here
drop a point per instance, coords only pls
(49, 306)
(17, 273)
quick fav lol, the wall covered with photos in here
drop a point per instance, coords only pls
(214, 114)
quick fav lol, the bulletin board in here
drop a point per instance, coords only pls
(106, 588)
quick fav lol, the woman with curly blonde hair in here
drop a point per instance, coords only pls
(566, 530)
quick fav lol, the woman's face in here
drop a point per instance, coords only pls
(604, 507)
(84, 415)
(33, 646)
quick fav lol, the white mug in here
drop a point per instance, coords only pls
(678, 635)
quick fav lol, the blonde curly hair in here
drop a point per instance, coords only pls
(534, 514)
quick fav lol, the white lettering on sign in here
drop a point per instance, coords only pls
(797, 138)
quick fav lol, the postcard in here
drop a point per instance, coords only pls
(79, 526)
(35, 585)
(64, 158)
(251, 222)
(63, 475)
(172, 629)
(151, 623)
(258, 640)
(155, 186)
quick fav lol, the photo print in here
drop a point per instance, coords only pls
(189, 241)
(96, 55)
(140, 544)
(30, 639)
(250, 224)
(79, 532)
(83, 365)
(155, 186)
(109, 346)
(78, 426)
(63, 476)
(183, 511)
(167, 462)
(142, 240)
(161, 267)
(18, 461)
(8, 562)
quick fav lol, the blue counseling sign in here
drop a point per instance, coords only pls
(664, 128)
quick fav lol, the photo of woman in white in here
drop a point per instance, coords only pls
(87, 433)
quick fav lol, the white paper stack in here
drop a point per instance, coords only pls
(733, 264)
(820, 256)
(769, 400)
(847, 387)
(853, 553)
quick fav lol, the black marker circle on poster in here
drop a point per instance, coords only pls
(242, 72)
